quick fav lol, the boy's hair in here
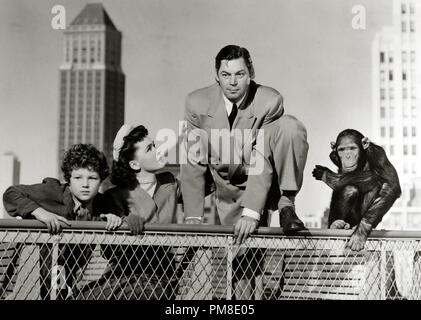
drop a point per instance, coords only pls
(122, 174)
(84, 156)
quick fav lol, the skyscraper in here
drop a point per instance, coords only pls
(396, 113)
(91, 82)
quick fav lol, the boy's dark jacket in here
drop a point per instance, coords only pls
(21, 200)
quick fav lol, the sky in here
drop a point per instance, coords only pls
(306, 49)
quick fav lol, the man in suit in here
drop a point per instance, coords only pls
(237, 104)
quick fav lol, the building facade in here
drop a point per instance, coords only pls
(91, 82)
(396, 114)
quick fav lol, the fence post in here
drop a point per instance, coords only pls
(229, 270)
(383, 270)
(54, 261)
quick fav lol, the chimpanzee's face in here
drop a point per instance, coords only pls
(349, 153)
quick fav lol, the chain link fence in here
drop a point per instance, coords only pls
(182, 262)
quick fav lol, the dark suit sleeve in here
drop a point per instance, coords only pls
(113, 201)
(193, 172)
(20, 200)
(258, 185)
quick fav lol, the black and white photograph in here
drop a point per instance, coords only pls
(228, 152)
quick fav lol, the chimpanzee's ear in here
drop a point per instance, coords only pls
(333, 145)
(365, 142)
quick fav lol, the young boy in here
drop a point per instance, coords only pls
(55, 204)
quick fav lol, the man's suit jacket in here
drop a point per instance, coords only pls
(21, 200)
(205, 109)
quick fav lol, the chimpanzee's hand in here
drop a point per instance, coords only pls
(136, 223)
(359, 237)
(327, 176)
(339, 224)
(318, 172)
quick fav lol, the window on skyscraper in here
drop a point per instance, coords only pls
(83, 55)
(390, 57)
(403, 8)
(405, 150)
(414, 168)
(405, 112)
(413, 93)
(412, 26)
(405, 168)
(391, 132)
(412, 8)
(381, 57)
(382, 94)
(404, 93)
(404, 76)
(404, 56)
(382, 76)
(390, 75)
(414, 131)
(405, 131)
(391, 112)
(382, 132)
(414, 149)
(392, 149)
(412, 56)
(403, 26)
(382, 112)
(391, 94)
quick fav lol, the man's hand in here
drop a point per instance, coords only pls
(339, 224)
(51, 220)
(136, 223)
(243, 228)
(359, 237)
(113, 221)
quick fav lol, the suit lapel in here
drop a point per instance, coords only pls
(218, 113)
(142, 202)
(244, 121)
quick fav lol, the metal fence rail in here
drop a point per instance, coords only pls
(201, 262)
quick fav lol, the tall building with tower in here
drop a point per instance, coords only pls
(91, 82)
(396, 114)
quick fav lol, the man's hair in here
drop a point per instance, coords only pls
(232, 52)
(84, 156)
(122, 174)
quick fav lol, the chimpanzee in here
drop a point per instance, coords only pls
(364, 189)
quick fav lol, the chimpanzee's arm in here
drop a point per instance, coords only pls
(380, 164)
(390, 190)
(363, 180)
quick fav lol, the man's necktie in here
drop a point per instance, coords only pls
(232, 115)
(83, 213)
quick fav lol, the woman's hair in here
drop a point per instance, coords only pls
(84, 156)
(122, 174)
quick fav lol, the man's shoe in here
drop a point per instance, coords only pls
(289, 221)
